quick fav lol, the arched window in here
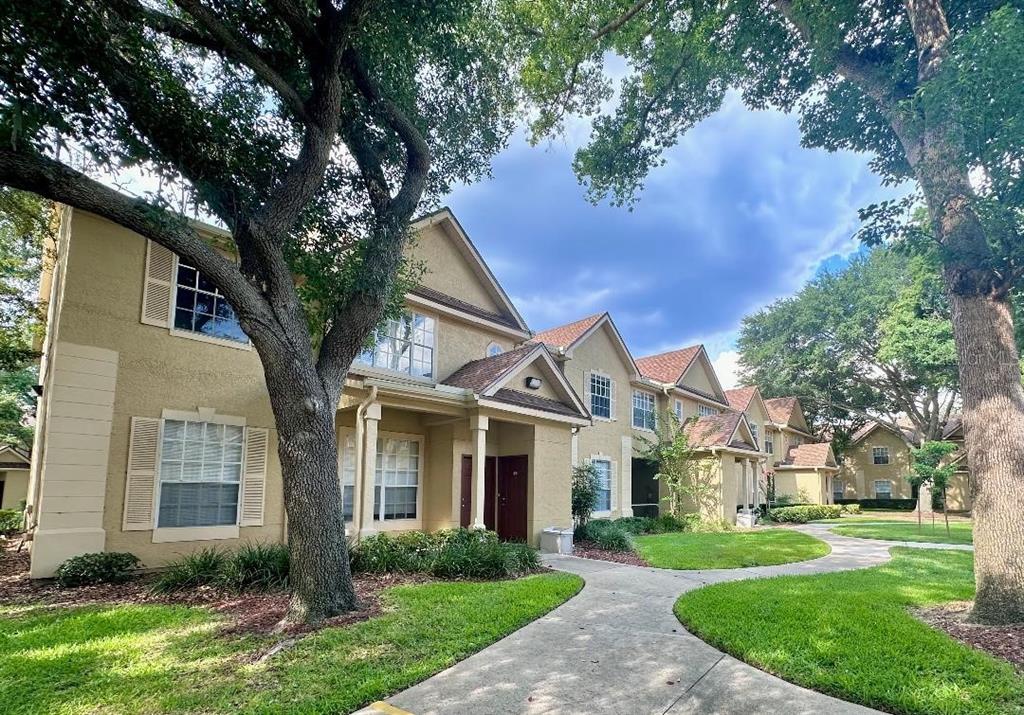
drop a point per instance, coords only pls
(494, 349)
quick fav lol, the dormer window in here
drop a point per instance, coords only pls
(404, 345)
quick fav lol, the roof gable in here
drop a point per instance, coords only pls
(495, 378)
(566, 338)
(668, 367)
(455, 269)
(700, 377)
(9, 454)
(787, 411)
(728, 429)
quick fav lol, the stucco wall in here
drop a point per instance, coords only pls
(447, 270)
(605, 437)
(15, 488)
(804, 486)
(550, 487)
(859, 470)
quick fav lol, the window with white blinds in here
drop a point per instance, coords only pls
(200, 474)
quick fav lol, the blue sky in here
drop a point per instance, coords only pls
(739, 216)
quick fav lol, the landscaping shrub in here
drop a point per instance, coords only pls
(90, 569)
(585, 484)
(202, 568)
(254, 566)
(888, 504)
(638, 524)
(11, 521)
(851, 508)
(261, 567)
(453, 553)
(614, 538)
(804, 514)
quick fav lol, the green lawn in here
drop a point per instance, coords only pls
(959, 532)
(850, 635)
(728, 549)
(163, 659)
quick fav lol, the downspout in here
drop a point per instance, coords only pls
(357, 490)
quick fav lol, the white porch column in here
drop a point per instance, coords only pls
(478, 429)
(753, 484)
(369, 446)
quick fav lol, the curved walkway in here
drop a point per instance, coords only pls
(617, 647)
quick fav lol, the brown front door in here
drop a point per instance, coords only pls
(512, 495)
(466, 492)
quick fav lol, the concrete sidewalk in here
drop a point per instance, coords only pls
(616, 647)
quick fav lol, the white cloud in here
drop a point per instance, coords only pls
(727, 368)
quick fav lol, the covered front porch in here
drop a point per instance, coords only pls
(429, 463)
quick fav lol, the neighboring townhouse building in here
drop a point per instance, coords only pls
(684, 382)
(14, 466)
(596, 362)
(155, 432)
(803, 469)
(878, 461)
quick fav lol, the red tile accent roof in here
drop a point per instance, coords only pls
(667, 367)
(563, 336)
(780, 409)
(739, 398)
(809, 455)
(715, 431)
(477, 375)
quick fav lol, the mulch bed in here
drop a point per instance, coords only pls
(255, 612)
(1006, 642)
(590, 550)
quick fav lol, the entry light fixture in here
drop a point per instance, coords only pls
(533, 383)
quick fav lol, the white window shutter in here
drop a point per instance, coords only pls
(157, 293)
(611, 398)
(140, 487)
(254, 475)
(586, 390)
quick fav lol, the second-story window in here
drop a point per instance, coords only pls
(600, 395)
(643, 410)
(493, 350)
(753, 431)
(200, 308)
(769, 445)
(704, 410)
(880, 455)
(679, 410)
(404, 345)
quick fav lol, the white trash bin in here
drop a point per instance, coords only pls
(556, 540)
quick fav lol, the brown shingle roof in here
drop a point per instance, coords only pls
(563, 336)
(739, 398)
(780, 409)
(809, 455)
(667, 367)
(536, 402)
(457, 304)
(477, 375)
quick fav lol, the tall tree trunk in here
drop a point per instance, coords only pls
(319, 574)
(994, 437)
(990, 380)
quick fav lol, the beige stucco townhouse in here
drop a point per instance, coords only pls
(597, 363)
(155, 433)
(803, 469)
(684, 382)
(877, 462)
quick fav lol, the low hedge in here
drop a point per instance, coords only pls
(95, 568)
(804, 514)
(452, 553)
